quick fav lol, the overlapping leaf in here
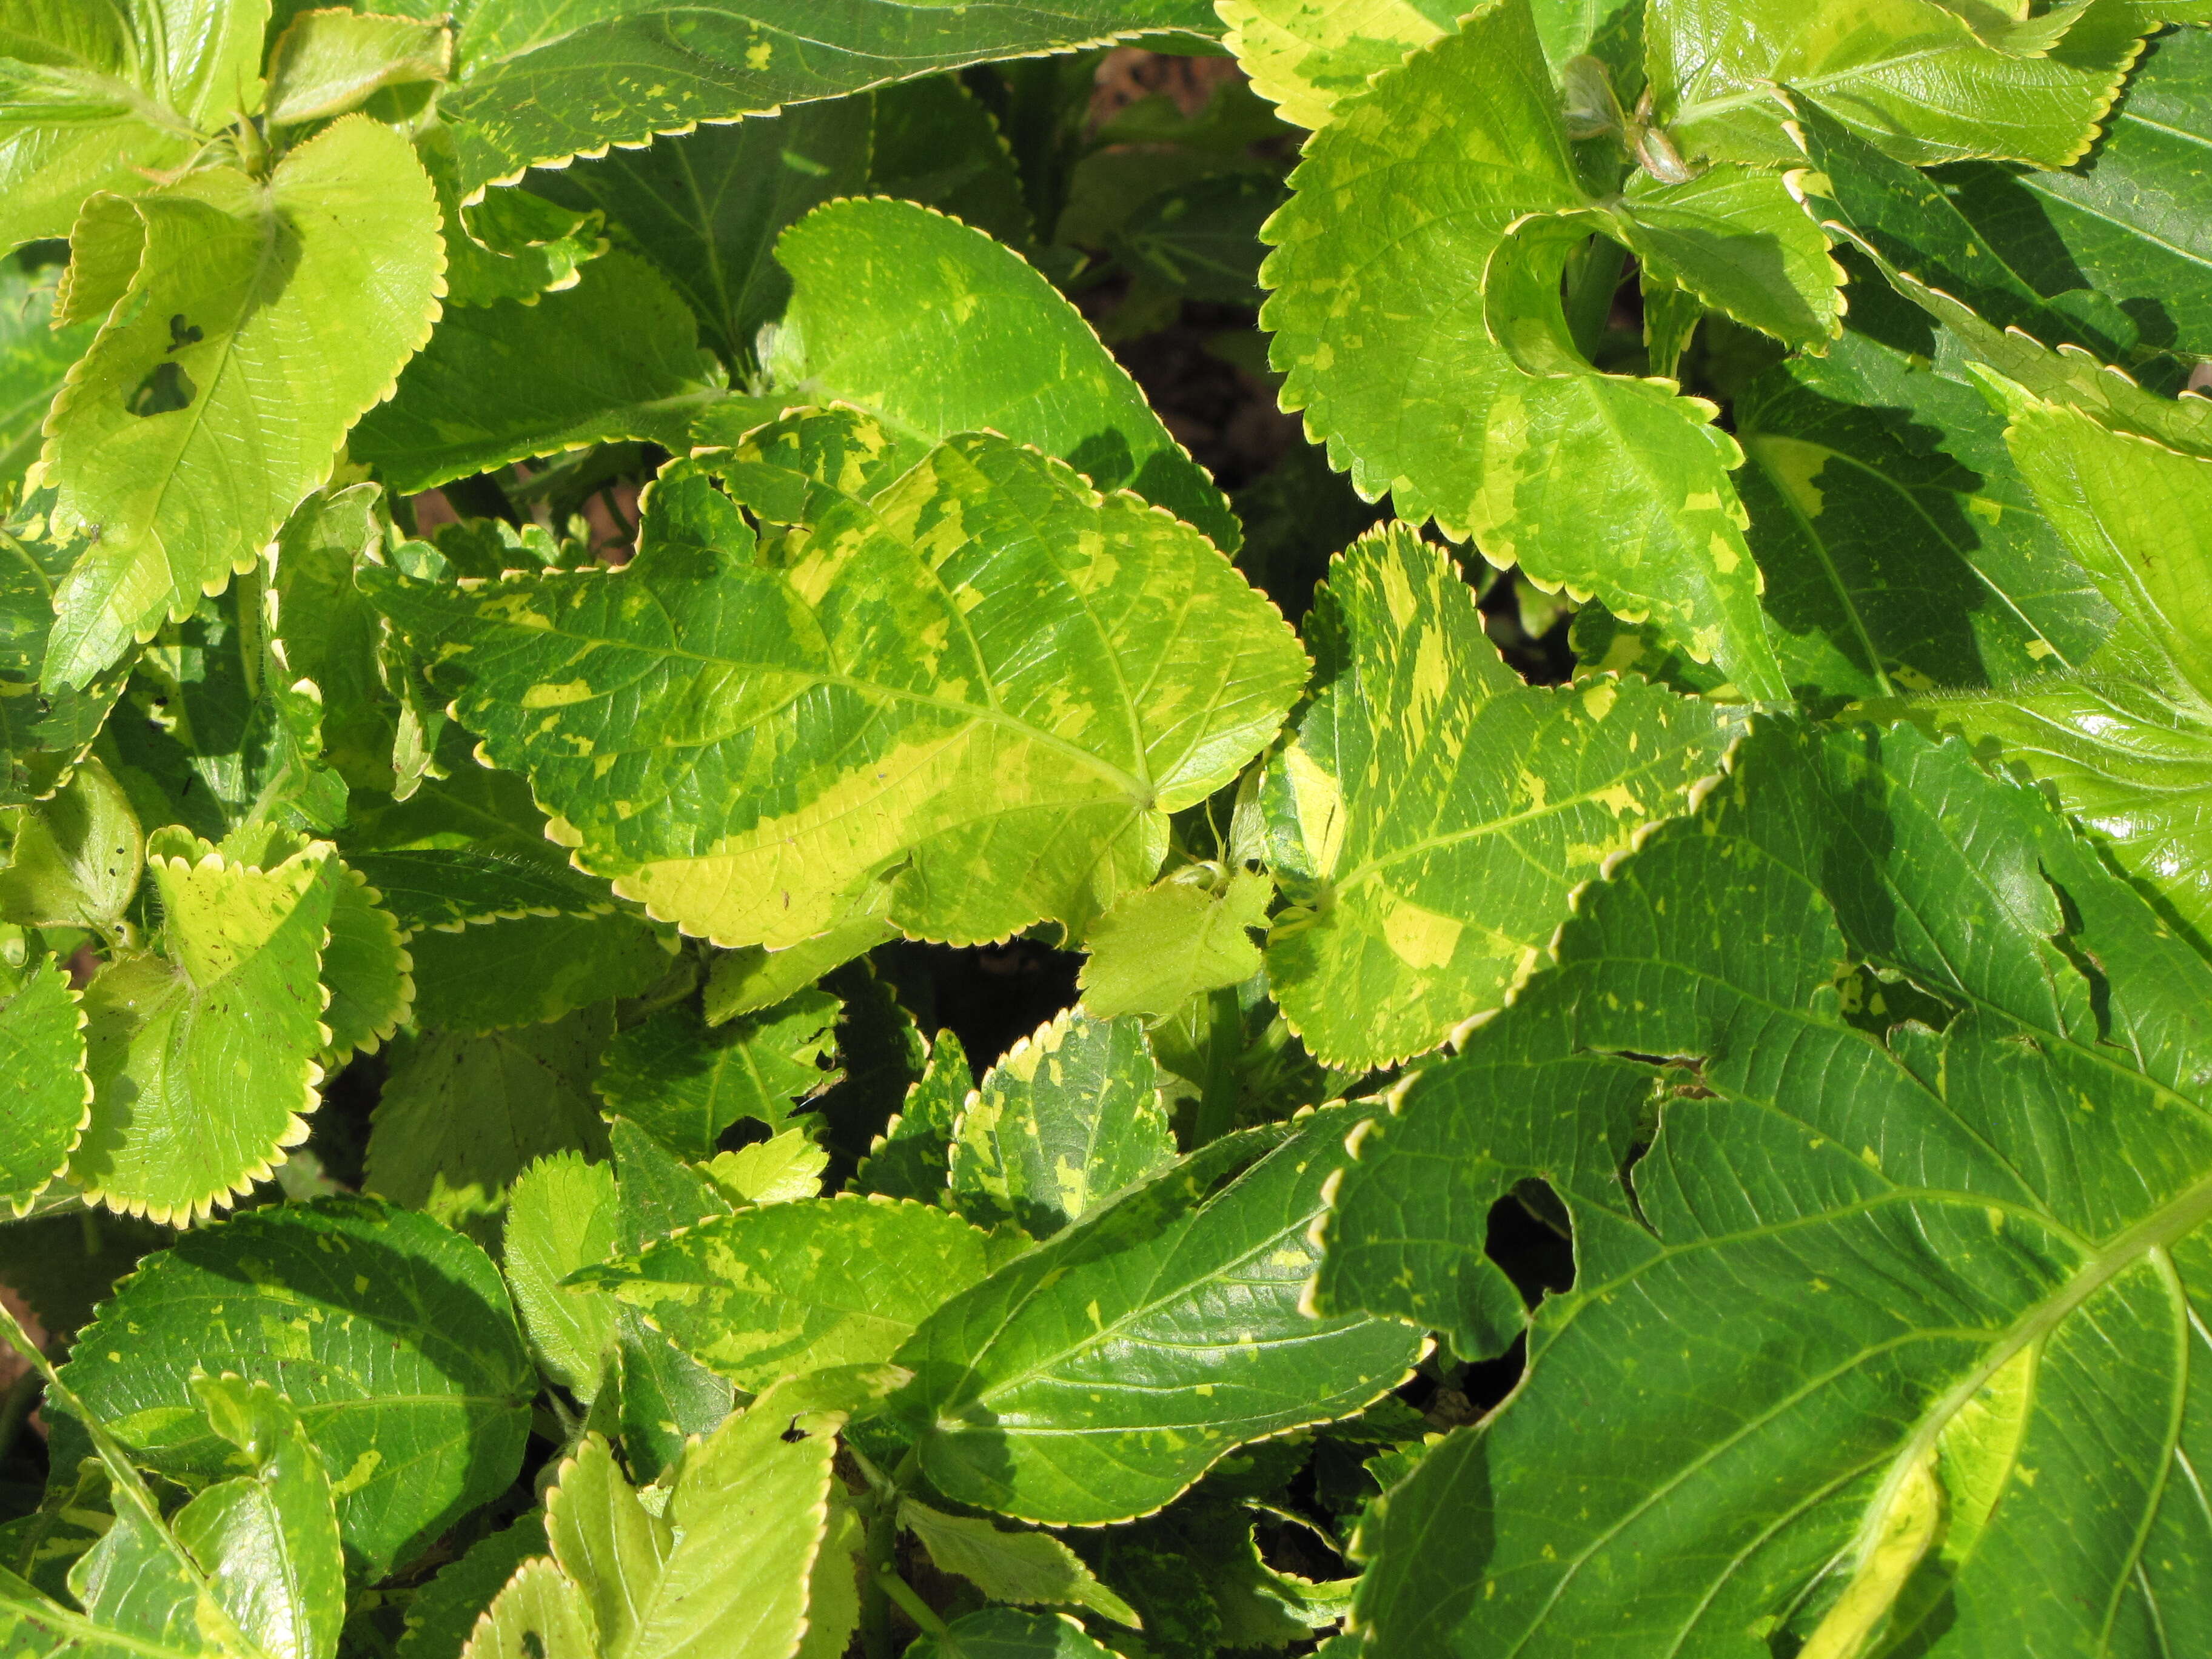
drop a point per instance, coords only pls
(533, 82)
(687, 1082)
(1418, 324)
(1875, 1323)
(727, 1570)
(1016, 680)
(706, 208)
(243, 319)
(615, 355)
(561, 1217)
(1433, 814)
(202, 1053)
(1900, 544)
(42, 1049)
(1919, 79)
(34, 358)
(461, 1115)
(2127, 742)
(1068, 1117)
(789, 1288)
(1172, 1335)
(391, 1336)
(1193, 932)
(935, 329)
(100, 96)
(2126, 225)
(1309, 58)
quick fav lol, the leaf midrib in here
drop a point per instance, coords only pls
(1127, 782)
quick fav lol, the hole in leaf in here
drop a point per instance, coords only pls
(533, 1644)
(163, 391)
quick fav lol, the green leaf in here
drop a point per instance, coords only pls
(935, 330)
(495, 975)
(706, 208)
(1025, 1567)
(97, 94)
(1157, 948)
(778, 1170)
(243, 319)
(932, 141)
(728, 1572)
(462, 1115)
(202, 1054)
(1742, 242)
(366, 969)
(1202, 241)
(76, 858)
(615, 355)
(607, 1542)
(1002, 1633)
(440, 1615)
(1857, 1281)
(746, 981)
(534, 83)
(560, 1216)
(42, 733)
(537, 1614)
(2073, 378)
(391, 1336)
(2126, 745)
(452, 888)
(1901, 547)
(668, 1399)
(657, 1192)
(1096, 1377)
(1433, 815)
(687, 1082)
(330, 61)
(2138, 516)
(938, 755)
(42, 1548)
(833, 1587)
(1309, 58)
(911, 1156)
(2125, 225)
(50, 1098)
(1916, 222)
(1427, 346)
(326, 631)
(514, 244)
(1913, 76)
(268, 1541)
(1068, 1117)
(790, 1288)
(34, 358)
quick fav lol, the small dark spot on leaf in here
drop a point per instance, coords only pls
(794, 1433)
(182, 333)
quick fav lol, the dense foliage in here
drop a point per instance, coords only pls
(1615, 946)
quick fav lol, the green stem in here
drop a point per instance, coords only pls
(875, 1593)
(1217, 1101)
(913, 1606)
(1592, 278)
